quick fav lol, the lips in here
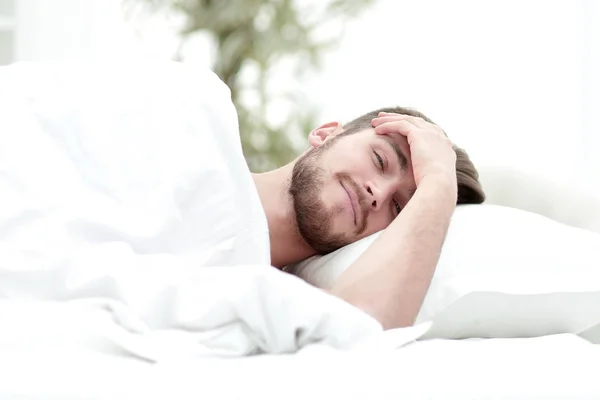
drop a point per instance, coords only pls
(353, 202)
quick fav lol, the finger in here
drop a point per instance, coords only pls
(381, 120)
(389, 114)
(417, 121)
(402, 127)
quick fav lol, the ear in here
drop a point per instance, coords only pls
(320, 135)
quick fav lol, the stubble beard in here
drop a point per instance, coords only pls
(313, 218)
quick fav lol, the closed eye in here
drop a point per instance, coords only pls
(398, 208)
(379, 160)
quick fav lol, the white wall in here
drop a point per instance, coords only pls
(50, 33)
(590, 93)
(86, 30)
(512, 81)
(501, 77)
(7, 31)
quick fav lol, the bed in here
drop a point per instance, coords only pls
(109, 322)
(550, 367)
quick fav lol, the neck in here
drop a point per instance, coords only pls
(287, 245)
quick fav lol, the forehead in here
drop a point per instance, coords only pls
(370, 136)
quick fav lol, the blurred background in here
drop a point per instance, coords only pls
(514, 82)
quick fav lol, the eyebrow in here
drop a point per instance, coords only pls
(402, 161)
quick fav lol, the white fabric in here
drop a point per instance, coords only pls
(130, 223)
(503, 272)
(561, 366)
(103, 177)
(159, 308)
(557, 367)
(143, 154)
(557, 198)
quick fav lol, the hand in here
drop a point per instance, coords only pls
(431, 152)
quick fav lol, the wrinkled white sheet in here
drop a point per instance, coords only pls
(146, 154)
(551, 367)
(130, 224)
(159, 307)
(554, 367)
(102, 293)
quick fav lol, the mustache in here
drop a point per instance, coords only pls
(363, 204)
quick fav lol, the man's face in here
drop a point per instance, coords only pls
(351, 186)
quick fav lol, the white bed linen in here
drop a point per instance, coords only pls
(561, 366)
(128, 217)
(557, 367)
(159, 308)
(144, 154)
(101, 294)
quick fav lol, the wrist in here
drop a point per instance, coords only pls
(440, 186)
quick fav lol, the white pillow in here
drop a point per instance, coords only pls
(503, 272)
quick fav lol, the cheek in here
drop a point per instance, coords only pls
(349, 159)
(333, 196)
(363, 162)
(330, 193)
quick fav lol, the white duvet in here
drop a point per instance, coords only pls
(129, 223)
(134, 263)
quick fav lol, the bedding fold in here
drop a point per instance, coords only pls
(129, 216)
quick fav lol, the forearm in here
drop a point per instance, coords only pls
(390, 279)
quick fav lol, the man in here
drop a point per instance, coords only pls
(389, 168)
(147, 157)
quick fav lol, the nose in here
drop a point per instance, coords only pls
(379, 193)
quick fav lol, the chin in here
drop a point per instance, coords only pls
(342, 229)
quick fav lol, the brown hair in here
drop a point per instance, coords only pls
(469, 188)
